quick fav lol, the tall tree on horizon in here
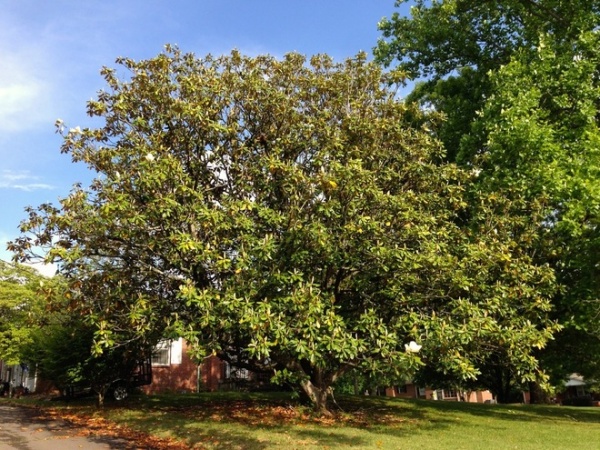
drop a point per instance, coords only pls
(518, 84)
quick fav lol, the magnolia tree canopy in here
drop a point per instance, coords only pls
(291, 215)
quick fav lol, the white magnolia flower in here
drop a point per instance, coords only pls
(76, 130)
(150, 157)
(60, 126)
(412, 347)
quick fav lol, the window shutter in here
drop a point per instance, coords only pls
(176, 351)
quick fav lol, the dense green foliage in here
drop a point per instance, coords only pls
(289, 214)
(454, 46)
(21, 309)
(518, 83)
(38, 329)
(541, 138)
(62, 353)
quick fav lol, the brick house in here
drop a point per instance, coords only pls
(411, 390)
(174, 370)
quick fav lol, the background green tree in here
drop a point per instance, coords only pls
(452, 47)
(22, 308)
(289, 213)
(518, 84)
(542, 137)
(62, 353)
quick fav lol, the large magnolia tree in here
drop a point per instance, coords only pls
(288, 215)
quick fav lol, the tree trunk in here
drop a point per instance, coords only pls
(502, 385)
(318, 396)
(537, 395)
(100, 399)
(533, 393)
(101, 391)
(318, 386)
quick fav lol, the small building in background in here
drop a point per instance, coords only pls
(576, 392)
(411, 390)
(18, 375)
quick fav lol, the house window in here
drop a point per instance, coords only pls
(421, 391)
(449, 393)
(580, 391)
(161, 356)
(167, 352)
(240, 374)
(231, 372)
(402, 389)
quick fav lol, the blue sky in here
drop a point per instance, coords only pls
(51, 54)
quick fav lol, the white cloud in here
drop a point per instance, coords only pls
(47, 270)
(22, 180)
(5, 255)
(26, 87)
(45, 68)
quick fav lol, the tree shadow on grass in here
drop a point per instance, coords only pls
(327, 438)
(361, 424)
(257, 423)
(224, 439)
(425, 409)
(201, 431)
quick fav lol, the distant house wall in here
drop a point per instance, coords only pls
(173, 370)
(212, 373)
(403, 391)
(411, 390)
(18, 375)
(217, 374)
(577, 388)
(479, 397)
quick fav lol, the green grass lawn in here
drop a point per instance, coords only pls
(273, 421)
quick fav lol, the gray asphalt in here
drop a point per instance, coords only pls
(22, 429)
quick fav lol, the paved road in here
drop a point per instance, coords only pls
(22, 429)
